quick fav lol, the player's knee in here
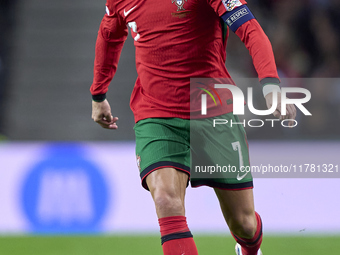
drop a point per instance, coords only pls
(244, 226)
(168, 204)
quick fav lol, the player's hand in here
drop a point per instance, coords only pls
(101, 113)
(290, 109)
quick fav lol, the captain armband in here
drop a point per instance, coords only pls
(237, 17)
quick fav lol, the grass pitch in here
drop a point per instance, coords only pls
(150, 245)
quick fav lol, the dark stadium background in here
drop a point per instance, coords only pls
(46, 69)
(47, 52)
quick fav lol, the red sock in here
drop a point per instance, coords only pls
(176, 236)
(251, 246)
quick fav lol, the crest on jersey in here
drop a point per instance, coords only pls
(179, 4)
(138, 161)
(231, 4)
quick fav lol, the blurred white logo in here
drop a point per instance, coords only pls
(239, 178)
(65, 197)
(127, 13)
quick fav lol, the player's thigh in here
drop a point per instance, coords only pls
(167, 187)
(167, 182)
(237, 205)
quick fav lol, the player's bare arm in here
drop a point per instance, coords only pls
(260, 49)
(110, 40)
(101, 113)
(291, 110)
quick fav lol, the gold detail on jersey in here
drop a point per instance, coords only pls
(182, 14)
(179, 4)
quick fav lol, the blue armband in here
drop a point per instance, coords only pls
(237, 17)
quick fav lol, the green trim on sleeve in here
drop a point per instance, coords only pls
(271, 81)
(99, 98)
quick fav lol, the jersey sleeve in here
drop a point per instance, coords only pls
(222, 6)
(110, 40)
(260, 49)
(243, 23)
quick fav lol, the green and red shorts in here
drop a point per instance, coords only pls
(211, 153)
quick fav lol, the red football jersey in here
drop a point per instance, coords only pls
(175, 40)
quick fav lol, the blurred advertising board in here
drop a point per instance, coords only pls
(95, 187)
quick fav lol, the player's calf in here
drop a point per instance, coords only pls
(250, 246)
(243, 225)
(167, 187)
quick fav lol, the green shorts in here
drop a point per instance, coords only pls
(212, 151)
